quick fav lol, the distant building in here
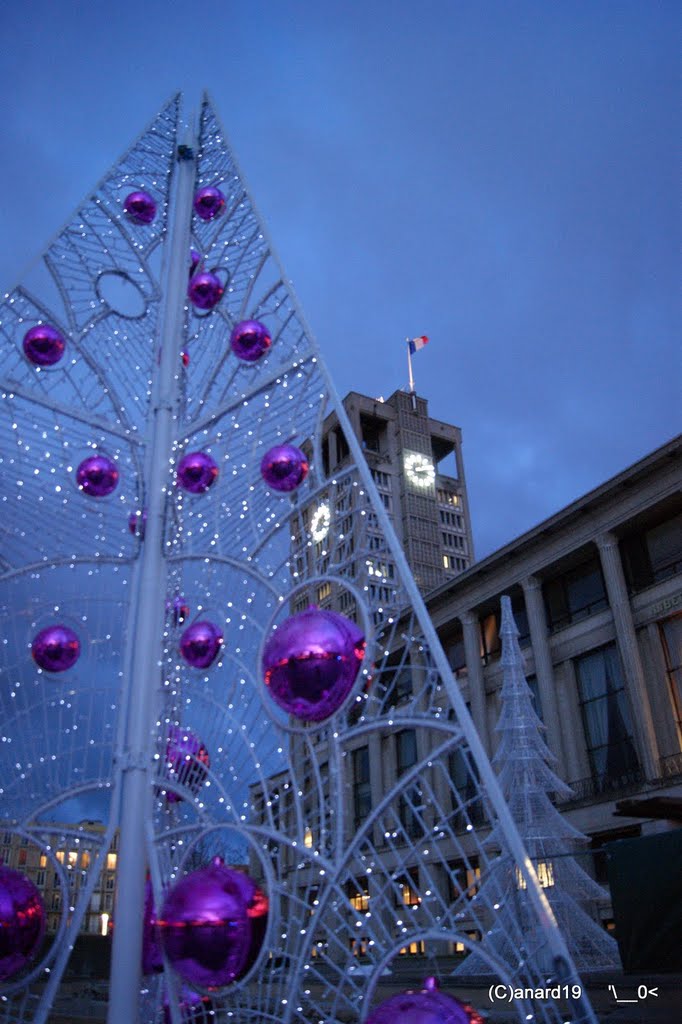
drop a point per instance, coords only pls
(76, 857)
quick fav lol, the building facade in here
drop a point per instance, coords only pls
(597, 596)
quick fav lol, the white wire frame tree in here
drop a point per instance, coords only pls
(343, 870)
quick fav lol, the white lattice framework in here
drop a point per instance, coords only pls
(279, 796)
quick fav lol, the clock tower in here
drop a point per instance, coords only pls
(416, 463)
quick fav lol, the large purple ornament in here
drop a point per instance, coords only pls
(284, 467)
(250, 340)
(196, 472)
(140, 208)
(187, 761)
(200, 643)
(44, 345)
(204, 926)
(209, 202)
(56, 648)
(22, 922)
(310, 663)
(205, 290)
(97, 476)
(430, 1006)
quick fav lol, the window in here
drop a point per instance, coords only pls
(447, 498)
(408, 885)
(410, 802)
(111, 862)
(575, 594)
(362, 792)
(535, 695)
(464, 791)
(399, 685)
(40, 879)
(671, 639)
(653, 555)
(606, 718)
(463, 878)
(358, 895)
(490, 637)
(545, 872)
(23, 857)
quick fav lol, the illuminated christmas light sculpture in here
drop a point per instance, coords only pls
(140, 276)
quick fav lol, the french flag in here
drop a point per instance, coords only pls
(416, 343)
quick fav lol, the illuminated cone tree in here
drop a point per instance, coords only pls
(525, 769)
(167, 508)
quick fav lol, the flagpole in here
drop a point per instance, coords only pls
(409, 366)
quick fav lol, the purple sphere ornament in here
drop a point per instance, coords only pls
(97, 476)
(56, 649)
(22, 922)
(196, 472)
(205, 290)
(284, 467)
(200, 643)
(311, 661)
(209, 202)
(430, 1006)
(152, 958)
(44, 345)
(140, 208)
(250, 340)
(204, 926)
(187, 761)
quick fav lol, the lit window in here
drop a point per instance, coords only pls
(545, 872)
(60, 856)
(308, 839)
(72, 858)
(111, 862)
(43, 860)
(85, 859)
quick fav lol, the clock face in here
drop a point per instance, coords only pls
(320, 523)
(419, 469)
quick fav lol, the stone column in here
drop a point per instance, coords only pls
(537, 622)
(472, 654)
(626, 639)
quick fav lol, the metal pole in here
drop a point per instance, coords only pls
(135, 756)
(409, 366)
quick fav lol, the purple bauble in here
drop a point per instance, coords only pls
(196, 472)
(205, 290)
(140, 207)
(137, 523)
(250, 340)
(193, 1007)
(204, 926)
(22, 922)
(311, 661)
(152, 958)
(209, 202)
(430, 1006)
(44, 345)
(56, 648)
(97, 476)
(187, 761)
(200, 643)
(284, 467)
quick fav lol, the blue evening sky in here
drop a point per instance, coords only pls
(503, 177)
